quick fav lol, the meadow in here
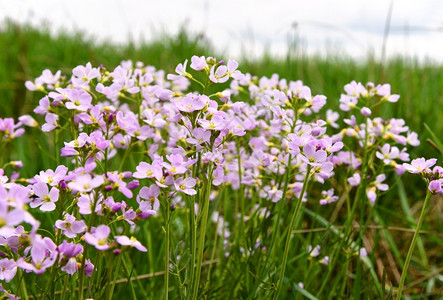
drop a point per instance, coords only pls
(286, 200)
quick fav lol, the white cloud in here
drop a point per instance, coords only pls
(355, 26)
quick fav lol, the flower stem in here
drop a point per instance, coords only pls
(166, 252)
(289, 234)
(281, 208)
(116, 271)
(412, 246)
(204, 210)
(85, 251)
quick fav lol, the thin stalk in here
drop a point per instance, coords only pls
(289, 234)
(150, 257)
(1, 150)
(412, 246)
(85, 251)
(214, 248)
(351, 213)
(21, 284)
(281, 208)
(193, 228)
(166, 276)
(115, 276)
(51, 282)
(125, 156)
(193, 238)
(201, 243)
(131, 285)
(240, 193)
(65, 288)
(56, 138)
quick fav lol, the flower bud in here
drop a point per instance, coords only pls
(365, 111)
(62, 184)
(133, 184)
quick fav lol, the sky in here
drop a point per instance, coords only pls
(252, 26)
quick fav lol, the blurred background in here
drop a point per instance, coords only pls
(326, 44)
(251, 27)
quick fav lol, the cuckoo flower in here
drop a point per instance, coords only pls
(82, 75)
(312, 156)
(218, 122)
(145, 170)
(328, 197)
(180, 70)
(70, 226)
(51, 122)
(132, 242)
(78, 100)
(51, 177)
(223, 73)
(43, 256)
(43, 106)
(68, 261)
(85, 183)
(200, 136)
(10, 129)
(185, 185)
(331, 118)
(9, 216)
(176, 165)
(151, 194)
(98, 237)
(192, 103)
(198, 63)
(388, 154)
(45, 199)
(435, 186)
(8, 269)
(376, 185)
(419, 165)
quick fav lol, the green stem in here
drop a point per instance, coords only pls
(412, 246)
(281, 208)
(21, 284)
(141, 289)
(240, 193)
(117, 268)
(65, 287)
(204, 209)
(166, 286)
(1, 149)
(193, 228)
(51, 282)
(289, 234)
(85, 251)
(56, 139)
(193, 239)
(214, 248)
(125, 156)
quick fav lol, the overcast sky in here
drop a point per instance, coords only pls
(354, 27)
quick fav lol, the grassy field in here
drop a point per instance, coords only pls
(28, 51)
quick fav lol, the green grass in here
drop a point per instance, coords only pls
(27, 51)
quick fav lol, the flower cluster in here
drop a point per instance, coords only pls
(433, 177)
(259, 137)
